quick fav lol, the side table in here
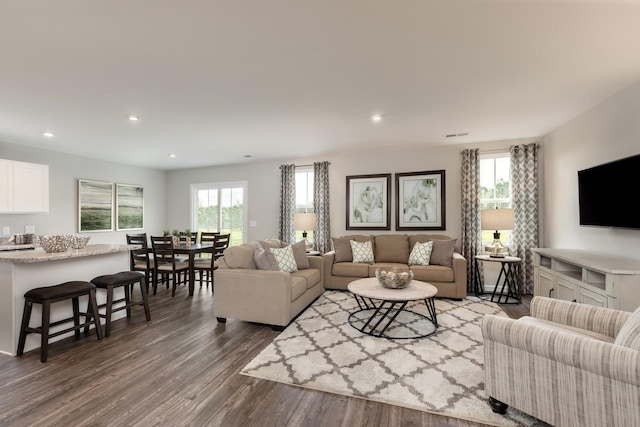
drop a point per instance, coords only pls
(509, 276)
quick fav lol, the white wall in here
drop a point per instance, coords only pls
(264, 182)
(608, 132)
(64, 172)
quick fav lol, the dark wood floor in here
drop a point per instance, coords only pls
(179, 369)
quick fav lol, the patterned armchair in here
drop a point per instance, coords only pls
(567, 364)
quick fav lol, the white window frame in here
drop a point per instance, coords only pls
(308, 208)
(218, 186)
(495, 200)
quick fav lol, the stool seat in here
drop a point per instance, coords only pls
(122, 278)
(127, 280)
(52, 294)
(62, 290)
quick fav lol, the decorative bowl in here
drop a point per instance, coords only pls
(54, 243)
(78, 242)
(396, 278)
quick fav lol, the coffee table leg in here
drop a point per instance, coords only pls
(431, 308)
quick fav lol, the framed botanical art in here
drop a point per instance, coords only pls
(95, 206)
(369, 202)
(129, 207)
(420, 203)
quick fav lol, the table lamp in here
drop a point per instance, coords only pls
(305, 222)
(496, 219)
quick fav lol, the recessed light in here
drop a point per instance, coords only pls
(172, 155)
(376, 118)
(248, 155)
(133, 118)
(48, 134)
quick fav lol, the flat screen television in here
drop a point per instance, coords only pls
(608, 194)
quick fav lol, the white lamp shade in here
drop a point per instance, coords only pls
(305, 221)
(496, 219)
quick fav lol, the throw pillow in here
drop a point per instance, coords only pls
(300, 254)
(362, 252)
(264, 259)
(629, 335)
(271, 243)
(421, 253)
(285, 259)
(342, 248)
(442, 253)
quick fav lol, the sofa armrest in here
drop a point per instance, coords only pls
(327, 261)
(602, 320)
(253, 295)
(317, 262)
(601, 358)
(459, 264)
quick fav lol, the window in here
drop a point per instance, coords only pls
(220, 207)
(495, 188)
(304, 196)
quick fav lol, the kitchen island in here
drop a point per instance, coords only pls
(23, 270)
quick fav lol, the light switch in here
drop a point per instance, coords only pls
(253, 223)
(29, 229)
(6, 230)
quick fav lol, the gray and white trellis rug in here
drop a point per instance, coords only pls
(442, 373)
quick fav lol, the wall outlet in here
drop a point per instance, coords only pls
(29, 229)
(6, 230)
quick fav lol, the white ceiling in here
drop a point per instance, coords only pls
(216, 80)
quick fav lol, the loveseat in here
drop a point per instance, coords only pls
(567, 364)
(251, 286)
(447, 269)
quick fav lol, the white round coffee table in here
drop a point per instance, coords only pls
(379, 307)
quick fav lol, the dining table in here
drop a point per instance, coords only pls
(191, 250)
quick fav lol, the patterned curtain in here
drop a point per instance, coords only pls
(322, 235)
(287, 203)
(524, 196)
(471, 244)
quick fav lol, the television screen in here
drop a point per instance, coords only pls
(607, 195)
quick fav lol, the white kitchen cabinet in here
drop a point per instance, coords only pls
(24, 187)
(587, 277)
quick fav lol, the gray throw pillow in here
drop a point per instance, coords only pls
(300, 254)
(442, 253)
(342, 248)
(629, 335)
(264, 259)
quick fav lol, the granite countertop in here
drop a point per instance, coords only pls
(39, 255)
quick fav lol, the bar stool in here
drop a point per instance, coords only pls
(124, 279)
(50, 294)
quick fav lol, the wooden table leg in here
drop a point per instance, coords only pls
(192, 272)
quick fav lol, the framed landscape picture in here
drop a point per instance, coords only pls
(420, 203)
(368, 202)
(95, 206)
(129, 207)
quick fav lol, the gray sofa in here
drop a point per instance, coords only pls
(244, 291)
(447, 272)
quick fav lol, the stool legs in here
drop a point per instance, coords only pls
(26, 315)
(128, 303)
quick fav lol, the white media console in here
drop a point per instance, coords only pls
(587, 277)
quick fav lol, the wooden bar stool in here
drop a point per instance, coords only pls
(50, 294)
(124, 279)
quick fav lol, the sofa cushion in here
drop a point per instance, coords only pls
(421, 253)
(391, 248)
(442, 253)
(342, 246)
(432, 273)
(300, 254)
(629, 335)
(298, 287)
(285, 259)
(311, 275)
(350, 269)
(240, 256)
(362, 252)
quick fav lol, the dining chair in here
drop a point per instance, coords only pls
(166, 263)
(141, 259)
(206, 266)
(208, 236)
(220, 244)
